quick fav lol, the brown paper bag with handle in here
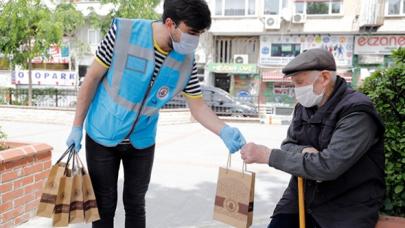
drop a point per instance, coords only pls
(235, 196)
(62, 206)
(89, 198)
(50, 190)
(76, 214)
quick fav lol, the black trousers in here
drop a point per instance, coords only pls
(103, 165)
(292, 221)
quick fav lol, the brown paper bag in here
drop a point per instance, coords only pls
(62, 206)
(89, 198)
(234, 197)
(48, 197)
(76, 214)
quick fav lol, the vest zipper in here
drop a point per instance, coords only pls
(142, 104)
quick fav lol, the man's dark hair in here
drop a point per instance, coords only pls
(194, 13)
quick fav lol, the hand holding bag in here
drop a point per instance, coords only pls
(62, 206)
(50, 190)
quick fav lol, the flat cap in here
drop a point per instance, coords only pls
(312, 59)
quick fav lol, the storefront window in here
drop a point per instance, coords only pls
(271, 7)
(278, 93)
(285, 50)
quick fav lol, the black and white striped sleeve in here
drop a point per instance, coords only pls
(105, 49)
(193, 87)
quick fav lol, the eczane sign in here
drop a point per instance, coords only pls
(378, 45)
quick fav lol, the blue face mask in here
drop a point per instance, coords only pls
(187, 45)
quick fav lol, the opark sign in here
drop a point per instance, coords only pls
(41, 77)
(382, 45)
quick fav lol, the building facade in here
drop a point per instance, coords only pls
(252, 40)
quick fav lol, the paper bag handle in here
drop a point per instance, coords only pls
(65, 153)
(228, 164)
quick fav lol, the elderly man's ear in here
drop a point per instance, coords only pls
(326, 77)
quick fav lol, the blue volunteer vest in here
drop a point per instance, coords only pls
(121, 96)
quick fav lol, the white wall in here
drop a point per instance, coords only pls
(5, 78)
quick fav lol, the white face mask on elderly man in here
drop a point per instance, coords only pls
(306, 96)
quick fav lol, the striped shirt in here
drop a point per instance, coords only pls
(104, 55)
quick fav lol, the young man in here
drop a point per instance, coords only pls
(335, 142)
(140, 65)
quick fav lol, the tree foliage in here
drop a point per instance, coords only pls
(28, 29)
(130, 9)
(386, 88)
(70, 18)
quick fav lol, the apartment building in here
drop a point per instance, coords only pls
(251, 40)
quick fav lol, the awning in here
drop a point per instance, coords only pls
(274, 76)
(277, 76)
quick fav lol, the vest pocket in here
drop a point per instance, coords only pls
(134, 80)
(110, 125)
(136, 64)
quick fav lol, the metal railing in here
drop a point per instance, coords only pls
(40, 97)
(235, 106)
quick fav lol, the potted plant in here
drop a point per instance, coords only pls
(386, 88)
(3, 137)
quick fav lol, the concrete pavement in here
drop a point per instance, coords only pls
(183, 184)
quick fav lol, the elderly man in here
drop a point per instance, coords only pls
(335, 142)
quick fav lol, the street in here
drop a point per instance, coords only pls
(183, 184)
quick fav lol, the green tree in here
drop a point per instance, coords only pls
(3, 137)
(28, 29)
(386, 88)
(70, 18)
(129, 9)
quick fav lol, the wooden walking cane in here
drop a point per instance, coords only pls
(301, 205)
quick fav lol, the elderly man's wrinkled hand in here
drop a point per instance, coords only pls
(254, 153)
(310, 150)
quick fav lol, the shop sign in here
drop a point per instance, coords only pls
(280, 50)
(41, 77)
(56, 54)
(232, 68)
(380, 45)
(371, 59)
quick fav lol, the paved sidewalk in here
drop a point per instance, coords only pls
(185, 172)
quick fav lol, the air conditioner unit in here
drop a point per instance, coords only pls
(241, 59)
(372, 13)
(272, 22)
(298, 18)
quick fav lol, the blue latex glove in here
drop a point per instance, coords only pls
(232, 138)
(75, 137)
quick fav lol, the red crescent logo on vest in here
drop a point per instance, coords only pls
(163, 92)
